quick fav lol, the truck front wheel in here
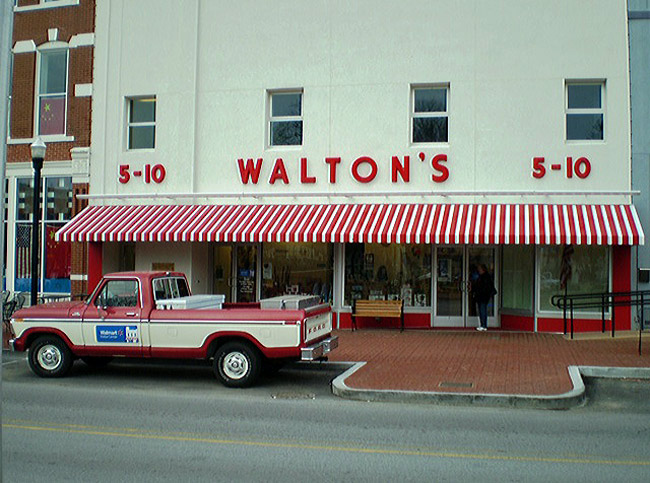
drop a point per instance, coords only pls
(236, 364)
(49, 357)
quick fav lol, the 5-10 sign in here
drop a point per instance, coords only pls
(580, 168)
(148, 173)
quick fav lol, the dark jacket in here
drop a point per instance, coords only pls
(483, 288)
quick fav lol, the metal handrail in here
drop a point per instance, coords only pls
(603, 301)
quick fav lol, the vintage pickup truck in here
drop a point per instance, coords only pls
(153, 315)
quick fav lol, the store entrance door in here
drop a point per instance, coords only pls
(456, 268)
(246, 279)
(222, 268)
(234, 271)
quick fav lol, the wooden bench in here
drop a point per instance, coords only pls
(378, 309)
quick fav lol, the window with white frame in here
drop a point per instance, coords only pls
(585, 113)
(141, 123)
(52, 91)
(285, 118)
(429, 114)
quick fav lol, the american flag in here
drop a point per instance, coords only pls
(23, 251)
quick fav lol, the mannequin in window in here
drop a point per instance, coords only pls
(382, 274)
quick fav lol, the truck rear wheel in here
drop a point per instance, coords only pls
(49, 357)
(237, 364)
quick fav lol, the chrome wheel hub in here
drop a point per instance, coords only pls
(49, 357)
(235, 365)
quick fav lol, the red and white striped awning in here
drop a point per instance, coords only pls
(371, 223)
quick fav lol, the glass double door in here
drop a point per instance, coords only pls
(235, 270)
(456, 270)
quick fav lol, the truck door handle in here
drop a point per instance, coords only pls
(131, 314)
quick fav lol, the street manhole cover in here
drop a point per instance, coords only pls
(293, 395)
(456, 384)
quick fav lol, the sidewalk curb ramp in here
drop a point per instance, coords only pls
(573, 398)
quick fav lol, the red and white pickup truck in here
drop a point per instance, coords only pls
(153, 315)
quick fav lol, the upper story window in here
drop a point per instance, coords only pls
(52, 91)
(585, 114)
(429, 115)
(285, 114)
(141, 125)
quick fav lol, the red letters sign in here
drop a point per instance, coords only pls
(581, 167)
(149, 174)
(363, 169)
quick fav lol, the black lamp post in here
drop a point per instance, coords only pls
(38, 154)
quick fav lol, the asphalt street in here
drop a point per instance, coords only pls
(174, 422)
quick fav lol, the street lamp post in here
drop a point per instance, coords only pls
(38, 154)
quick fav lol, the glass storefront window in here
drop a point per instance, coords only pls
(590, 272)
(55, 257)
(58, 261)
(58, 193)
(518, 268)
(378, 272)
(25, 201)
(297, 268)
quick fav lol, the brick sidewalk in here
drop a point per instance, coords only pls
(494, 362)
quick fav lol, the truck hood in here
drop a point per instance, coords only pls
(53, 309)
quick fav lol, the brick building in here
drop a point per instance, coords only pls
(51, 94)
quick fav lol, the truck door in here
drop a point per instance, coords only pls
(112, 321)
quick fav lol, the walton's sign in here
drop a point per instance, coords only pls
(363, 169)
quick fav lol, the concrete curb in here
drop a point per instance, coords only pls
(573, 398)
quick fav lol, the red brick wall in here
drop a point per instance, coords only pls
(79, 108)
(79, 250)
(33, 25)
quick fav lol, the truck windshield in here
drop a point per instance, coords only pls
(170, 288)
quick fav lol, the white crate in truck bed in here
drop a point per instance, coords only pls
(192, 302)
(290, 302)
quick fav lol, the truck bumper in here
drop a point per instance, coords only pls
(12, 345)
(319, 349)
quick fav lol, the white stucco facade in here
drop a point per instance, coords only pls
(211, 64)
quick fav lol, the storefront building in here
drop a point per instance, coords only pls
(366, 150)
(51, 91)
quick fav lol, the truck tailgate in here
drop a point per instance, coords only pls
(318, 326)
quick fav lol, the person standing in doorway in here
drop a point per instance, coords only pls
(483, 290)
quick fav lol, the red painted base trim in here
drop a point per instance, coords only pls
(525, 323)
(411, 321)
